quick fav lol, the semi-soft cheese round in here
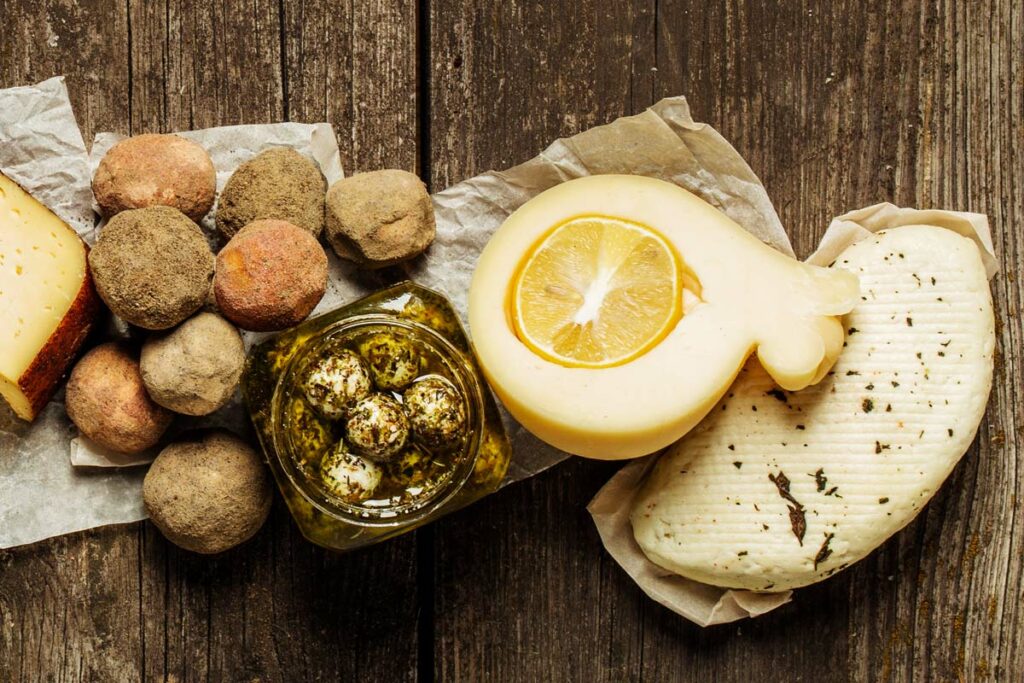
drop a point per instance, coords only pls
(777, 490)
(740, 296)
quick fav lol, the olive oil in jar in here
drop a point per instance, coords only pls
(375, 418)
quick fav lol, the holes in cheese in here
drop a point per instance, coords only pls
(776, 490)
(47, 302)
(626, 404)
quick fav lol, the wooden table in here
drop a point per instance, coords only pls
(835, 105)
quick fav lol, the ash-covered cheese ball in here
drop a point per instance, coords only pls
(348, 476)
(437, 412)
(377, 427)
(394, 361)
(336, 381)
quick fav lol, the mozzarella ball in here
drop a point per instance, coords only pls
(349, 476)
(336, 381)
(437, 413)
(394, 361)
(377, 427)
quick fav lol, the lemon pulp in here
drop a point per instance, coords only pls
(597, 292)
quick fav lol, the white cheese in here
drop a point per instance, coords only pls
(776, 490)
(47, 302)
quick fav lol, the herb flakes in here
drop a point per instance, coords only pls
(825, 551)
(797, 516)
(820, 479)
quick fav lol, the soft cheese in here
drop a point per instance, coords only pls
(47, 301)
(748, 297)
(777, 490)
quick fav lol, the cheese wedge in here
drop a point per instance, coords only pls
(777, 490)
(47, 301)
(745, 296)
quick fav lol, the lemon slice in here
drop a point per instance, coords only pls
(597, 292)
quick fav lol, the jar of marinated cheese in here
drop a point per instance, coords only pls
(375, 418)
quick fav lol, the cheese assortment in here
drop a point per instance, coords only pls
(810, 412)
(610, 313)
(777, 489)
(47, 300)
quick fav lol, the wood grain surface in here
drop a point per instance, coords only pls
(835, 105)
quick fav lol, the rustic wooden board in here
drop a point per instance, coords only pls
(835, 105)
(123, 604)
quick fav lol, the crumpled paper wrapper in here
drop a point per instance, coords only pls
(700, 603)
(662, 142)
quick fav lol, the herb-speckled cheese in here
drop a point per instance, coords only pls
(776, 490)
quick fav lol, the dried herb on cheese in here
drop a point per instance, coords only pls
(825, 551)
(797, 517)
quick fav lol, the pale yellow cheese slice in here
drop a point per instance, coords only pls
(775, 489)
(47, 301)
(751, 297)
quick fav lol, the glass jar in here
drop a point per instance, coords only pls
(421, 483)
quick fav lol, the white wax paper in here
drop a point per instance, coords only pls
(700, 603)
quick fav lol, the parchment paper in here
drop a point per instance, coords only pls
(700, 603)
(662, 142)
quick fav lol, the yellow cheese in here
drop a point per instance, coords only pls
(47, 301)
(747, 297)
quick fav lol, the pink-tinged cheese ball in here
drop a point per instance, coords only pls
(107, 401)
(270, 275)
(156, 170)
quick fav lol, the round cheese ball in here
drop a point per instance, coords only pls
(107, 401)
(349, 476)
(394, 361)
(195, 368)
(152, 267)
(437, 413)
(379, 218)
(278, 183)
(270, 276)
(208, 492)
(155, 170)
(336, 381)
(377, 427)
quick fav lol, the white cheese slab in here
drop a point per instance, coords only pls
(776, 490)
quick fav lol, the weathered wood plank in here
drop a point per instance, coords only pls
(835, 107)
(524, 590)
(123, 604)
(278, 607)
(67, 606)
